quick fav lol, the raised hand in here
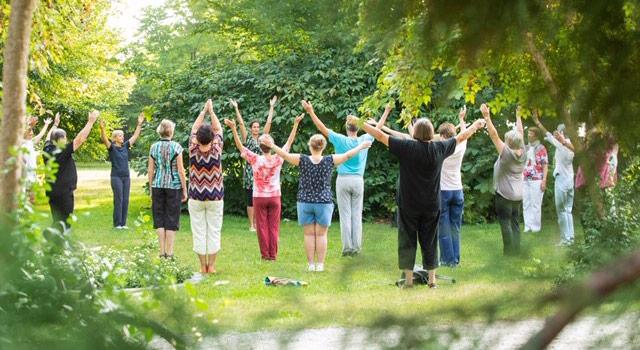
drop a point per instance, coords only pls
(484, 109)
(479, 124)
(365, 145)
(462, 113)
(93, 116)
(47, 121)
(352, 120)
(267, 141)
(307, 106)
(234, 103)
(101, 123)
(273, 101)
(388, 107)
(230, 123)
(33, 121)
(298, 119)
(518, 112)
(56, 120)
(141, 118)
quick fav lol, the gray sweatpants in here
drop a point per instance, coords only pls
(350, 193)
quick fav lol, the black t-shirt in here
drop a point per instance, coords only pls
(67, 175)
(119, 158)
(420, 165)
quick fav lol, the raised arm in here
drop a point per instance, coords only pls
(292, 135)
(56, 122)
(103, 134)
(215, 122)
(536, 120)
(272, 105)
(383, 118)
(236, 139)
(388, 130)
(43, 131)
(318, 123)
(461, 115)
(468, 132)
(341, 158)
(519, 126)
(200, 119)
(151, 171)
(84, 133)
(136, 132)
(182, 176)
(292, 158)
(493, 133)
(243, 129)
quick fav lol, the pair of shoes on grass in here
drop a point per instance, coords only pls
(315, 267)
(351, 253)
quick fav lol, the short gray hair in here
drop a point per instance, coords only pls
(513, 139)
(166, 128)
(57, 134)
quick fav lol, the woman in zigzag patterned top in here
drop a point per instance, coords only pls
(266, 188)
(206, 190)
(315, 200)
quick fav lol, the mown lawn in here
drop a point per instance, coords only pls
(352, 291)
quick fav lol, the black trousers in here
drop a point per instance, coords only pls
(509, 213)
(165, 207)
(61, 205)
(120, 186)
(414, 228)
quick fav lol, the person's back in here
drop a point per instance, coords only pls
(507, 173)
(315, 180)
(66, 176)
(205, 171)
(164, 153)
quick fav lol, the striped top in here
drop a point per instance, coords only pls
(165, 153)
(205, 171)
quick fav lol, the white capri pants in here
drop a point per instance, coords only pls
(206, 225)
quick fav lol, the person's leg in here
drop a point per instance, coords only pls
(569, 210)
(260, 207)
(428, 237)
(250, 209)
(536, 206)
(321, 245)
(274, 226)
(310, 243)
(214, 214)
(162, 238)
(447, 256)
(116, 187)
(126, 188)
(515, 225)
(158, 211)
(56, 207)
(174, 202)
(170, 237)
(203, 263)
(559, 197)
(455, 220)
(407, 244)
(526, 204)
(198, 231)
(503, 213)
(67, 208)
(357, 202)
(343, 195)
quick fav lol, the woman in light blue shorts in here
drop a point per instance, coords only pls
(315, 199)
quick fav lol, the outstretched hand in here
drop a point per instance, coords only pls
(479, 124)
(462, 113)
(365, 145)
(267, 141)
(33, 121)
(234, 103)
(56, 120)
(47, 121)
(102, 125)
(273, 101)
(307, 106)
(141, 118)
(230, 123)
(484, 109)
(352, 120)
(298, 119)
(93, 116)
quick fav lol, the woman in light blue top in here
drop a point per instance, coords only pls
(350, 183)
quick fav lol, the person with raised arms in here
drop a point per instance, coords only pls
(118, 150)
(250, 141)
(266, 188)
(350, 181)
(418, 199)
(30, 155)
(315, 199)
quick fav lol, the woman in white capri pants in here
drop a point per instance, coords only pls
(206, 191)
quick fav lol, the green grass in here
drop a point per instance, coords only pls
(352, 291)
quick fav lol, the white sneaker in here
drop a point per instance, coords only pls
(124, 227)
(311, 268)
(118, 227)
(319, 267)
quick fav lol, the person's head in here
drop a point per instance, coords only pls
(254, 126)
(166, 128)
(351, 128)
(533, 134)
(447, 131)
(59, 138)
(423, 130)
(513, 139)
(117, 136)
(263, 148)
(317, 143)
(204, 135)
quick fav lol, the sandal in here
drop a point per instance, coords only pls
(432, 285)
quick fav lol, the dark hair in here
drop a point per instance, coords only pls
(352, 128)
(204, 135)
(447, 130)
(57, 134)
(253, 122)
(536, 132)
(423, 130)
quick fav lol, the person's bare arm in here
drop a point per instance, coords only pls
(519, 126)
(493, 133)
(236, 139)
(183, 178)
(292, 158)
(103, 134)
(534, 116)
(272, 106)
(136, 132)
(292, 135)
(545, 171)
(468, 132)
(375, 132)
(200, 119)
(461, 116)
(216, 126)
(308, 107)
(341, 158)
(243, 129)
(562, 140)
(151, 171)
(43, 131)
(84, 133)
(383, 118)
(56, 122)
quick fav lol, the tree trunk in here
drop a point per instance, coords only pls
(14, 86)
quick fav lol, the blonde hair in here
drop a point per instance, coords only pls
(166, 128)
(317, 142)
(116, 133)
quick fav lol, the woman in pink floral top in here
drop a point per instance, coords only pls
(535, 181)
(266, 188)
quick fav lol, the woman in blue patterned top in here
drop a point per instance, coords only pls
(251, 142)
(315, 199)
(168, 186)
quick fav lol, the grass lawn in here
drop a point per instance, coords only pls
(352, 291)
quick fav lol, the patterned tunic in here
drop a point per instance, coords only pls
(164, 153)
(266, 173)
(315, 180)
(205, 171)
(536, 160)
(247, 178)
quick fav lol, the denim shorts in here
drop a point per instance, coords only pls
(311, 213)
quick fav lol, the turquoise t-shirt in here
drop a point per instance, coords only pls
(343, 144)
